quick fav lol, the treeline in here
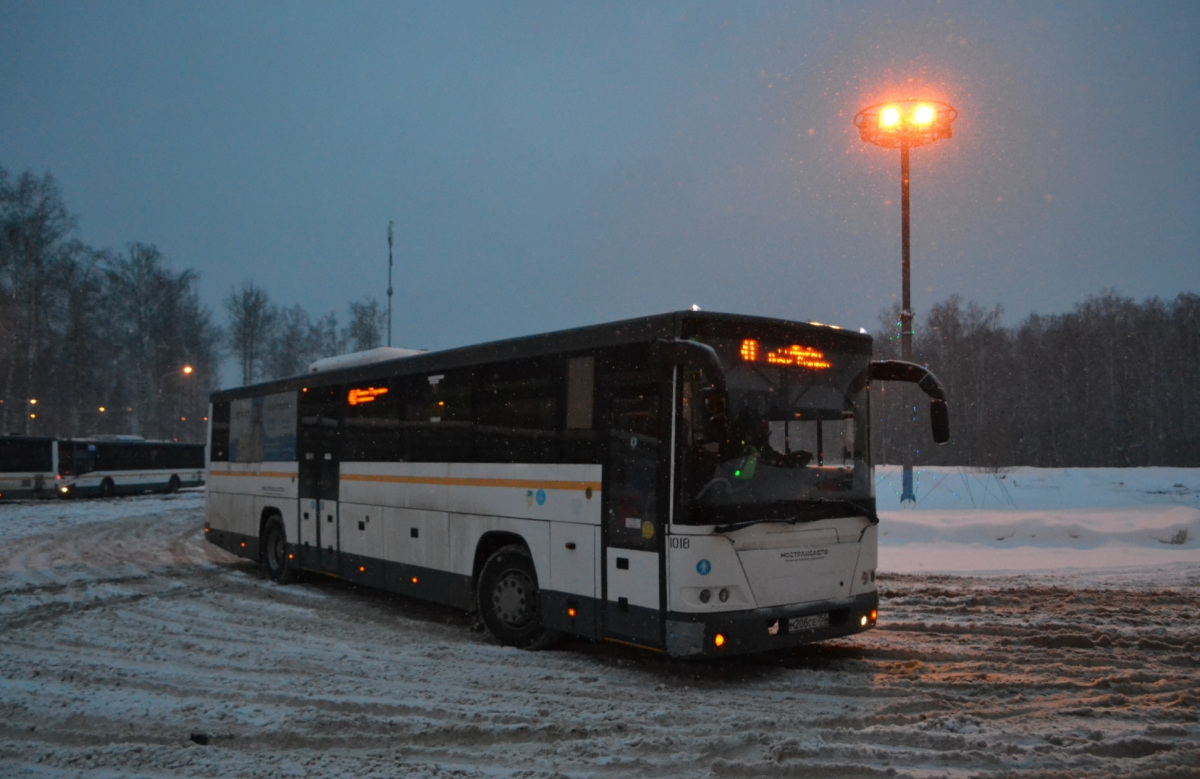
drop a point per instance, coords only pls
(96, 341)
(91, 340)
(272, 342)
(1112, 383)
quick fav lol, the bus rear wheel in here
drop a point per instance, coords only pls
(508, 599)
(108, 489)
(274, 551)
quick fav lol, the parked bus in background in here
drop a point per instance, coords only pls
(28, 466)
(107, 466)
(694, 483)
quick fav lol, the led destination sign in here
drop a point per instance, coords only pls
(368, 395)
(797, 355)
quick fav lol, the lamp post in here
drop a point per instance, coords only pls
(905, 124)
(182, 372)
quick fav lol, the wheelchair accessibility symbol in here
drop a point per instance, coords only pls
(703, 567)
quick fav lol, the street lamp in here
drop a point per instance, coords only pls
(182, 372)
(904, 124)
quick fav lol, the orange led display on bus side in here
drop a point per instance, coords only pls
(358, 396)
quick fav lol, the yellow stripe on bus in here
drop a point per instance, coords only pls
(449, 481)
(264, 474)
(445, 481)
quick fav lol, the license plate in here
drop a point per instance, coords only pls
(808, 622)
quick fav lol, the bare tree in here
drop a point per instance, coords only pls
(34, 225)
(368, 322)
(79, 370)
(251, 326)
(291, 348)
(326, 340)
(162, 329)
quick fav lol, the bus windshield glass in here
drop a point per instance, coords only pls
(785, 441)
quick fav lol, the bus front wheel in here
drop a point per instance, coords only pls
(276, 560)
(508, 599)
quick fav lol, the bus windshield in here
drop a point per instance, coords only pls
(786, 441)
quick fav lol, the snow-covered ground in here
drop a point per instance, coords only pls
(130, 647)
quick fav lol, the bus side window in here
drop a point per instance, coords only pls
(517, 413)
(579, 438)
(438, 417)
(219, 443)
(372, 430)
(581, 380)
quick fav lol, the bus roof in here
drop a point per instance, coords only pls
(626, 331)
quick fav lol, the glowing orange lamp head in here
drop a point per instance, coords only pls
(905, 123)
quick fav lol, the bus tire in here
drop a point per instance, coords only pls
(276, 561)
(508, 599)
(108, 489)
(173, 484)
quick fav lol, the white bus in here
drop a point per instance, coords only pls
(694, 483)
(108, 466)
(28, 466)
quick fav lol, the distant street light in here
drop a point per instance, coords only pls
(904, 124)
(182, 372)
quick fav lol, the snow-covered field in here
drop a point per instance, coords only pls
(130, 647)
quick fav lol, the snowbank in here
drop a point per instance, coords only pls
(1038, 520)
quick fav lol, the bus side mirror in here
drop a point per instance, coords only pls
(716, 425)
(939, 420)
(715, 396)
(899, 370)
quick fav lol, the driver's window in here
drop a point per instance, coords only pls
(828, 441)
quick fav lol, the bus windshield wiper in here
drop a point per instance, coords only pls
(856, 508)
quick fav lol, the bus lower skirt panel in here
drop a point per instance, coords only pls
(237, 543)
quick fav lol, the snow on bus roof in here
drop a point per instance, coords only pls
(379, 354)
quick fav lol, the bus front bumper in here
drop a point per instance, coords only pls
(761, 630)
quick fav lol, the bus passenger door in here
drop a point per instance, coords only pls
(633, 518)
(319, 476)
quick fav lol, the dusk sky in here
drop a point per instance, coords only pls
(550, 165)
